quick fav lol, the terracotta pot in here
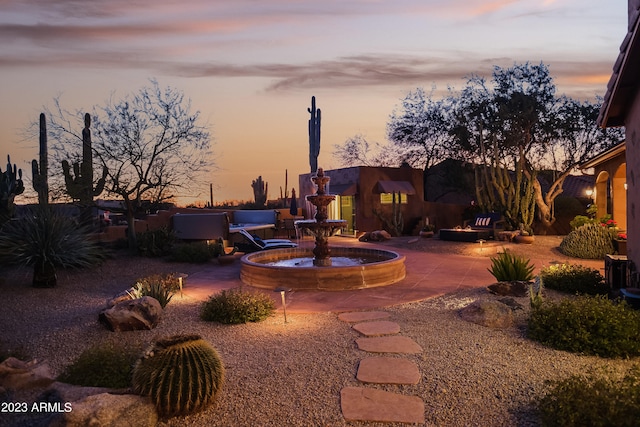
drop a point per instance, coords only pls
(426, 234)
(621, 246)
(524, 239)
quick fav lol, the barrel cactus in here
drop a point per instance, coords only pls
(182, 374)
(590, 241)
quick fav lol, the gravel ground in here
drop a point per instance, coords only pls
(291, 374)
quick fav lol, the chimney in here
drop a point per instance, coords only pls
(634, 10)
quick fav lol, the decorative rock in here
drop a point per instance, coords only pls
(392, 344)
(63, 392)
(377, 328)
(492, 314)
(513, 304)
(16, 374)
(361, 316)
(122, 296)
(132, 315)
(388, 370)
(510, 289)
(367, 404)
(375, 236)
(111, 410)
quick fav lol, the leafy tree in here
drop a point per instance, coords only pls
(520, 118)
(419, 131)
(150, 142)
(356, 151)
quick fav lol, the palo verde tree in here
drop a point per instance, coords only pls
(150, 143)
(520, 124)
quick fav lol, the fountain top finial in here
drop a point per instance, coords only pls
(321, 181)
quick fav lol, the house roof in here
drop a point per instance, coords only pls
(615, 151)
(396, 187)
(621, 88)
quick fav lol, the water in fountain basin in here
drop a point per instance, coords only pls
(336, 261)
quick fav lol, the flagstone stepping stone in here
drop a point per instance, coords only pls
(390, 344)
(367, 404)
(361, 316)
(388, 370)
(382, 327)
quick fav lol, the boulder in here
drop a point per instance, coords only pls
(16, 374)
(492, 314)
(63, 392)
(122, 296)
(375, 236)
(517, 289)
(109, 410)
(132, 315)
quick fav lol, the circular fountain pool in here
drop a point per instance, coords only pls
(352, 268)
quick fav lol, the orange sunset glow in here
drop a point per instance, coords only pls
(251, 68)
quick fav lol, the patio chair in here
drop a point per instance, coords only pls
(253, 243)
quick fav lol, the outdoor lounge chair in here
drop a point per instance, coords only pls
(253, 243)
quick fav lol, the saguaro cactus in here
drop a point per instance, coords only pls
(260, 189)
(79, 185)
(41, 171)
(11, 185)
(314, 135)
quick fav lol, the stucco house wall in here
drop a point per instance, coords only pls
(621, 107)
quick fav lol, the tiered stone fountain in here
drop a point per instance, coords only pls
(321, 228)
(323, 268)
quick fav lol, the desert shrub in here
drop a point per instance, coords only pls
(508, 268)
(580, 220)
(574, 279)
(47, 240)
(590, 241)
(593, 400)
(237, 306)
(587, 324)
(158, 286)
(103, 365)
(196, 252)
(181, 374)
(155, 243)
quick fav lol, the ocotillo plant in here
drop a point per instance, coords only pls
(314, 135)
(41, 171)
(80, 185)
(11, 185)
(260, 189)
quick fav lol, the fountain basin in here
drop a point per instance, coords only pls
(374, 268)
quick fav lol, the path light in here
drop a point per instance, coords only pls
(181, 278)
(284, 304)
(481, 241)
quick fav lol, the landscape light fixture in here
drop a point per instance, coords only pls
(284, 303)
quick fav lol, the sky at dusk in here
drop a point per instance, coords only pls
(250, 67)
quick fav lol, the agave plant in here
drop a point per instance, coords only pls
(506, 267)
(47, 240)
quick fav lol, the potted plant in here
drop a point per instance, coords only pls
(620, 243)
(525, 236)
(221, 253)
(428, 230)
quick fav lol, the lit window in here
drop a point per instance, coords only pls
(387, 198)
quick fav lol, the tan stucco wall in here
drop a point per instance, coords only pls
(632, 124)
